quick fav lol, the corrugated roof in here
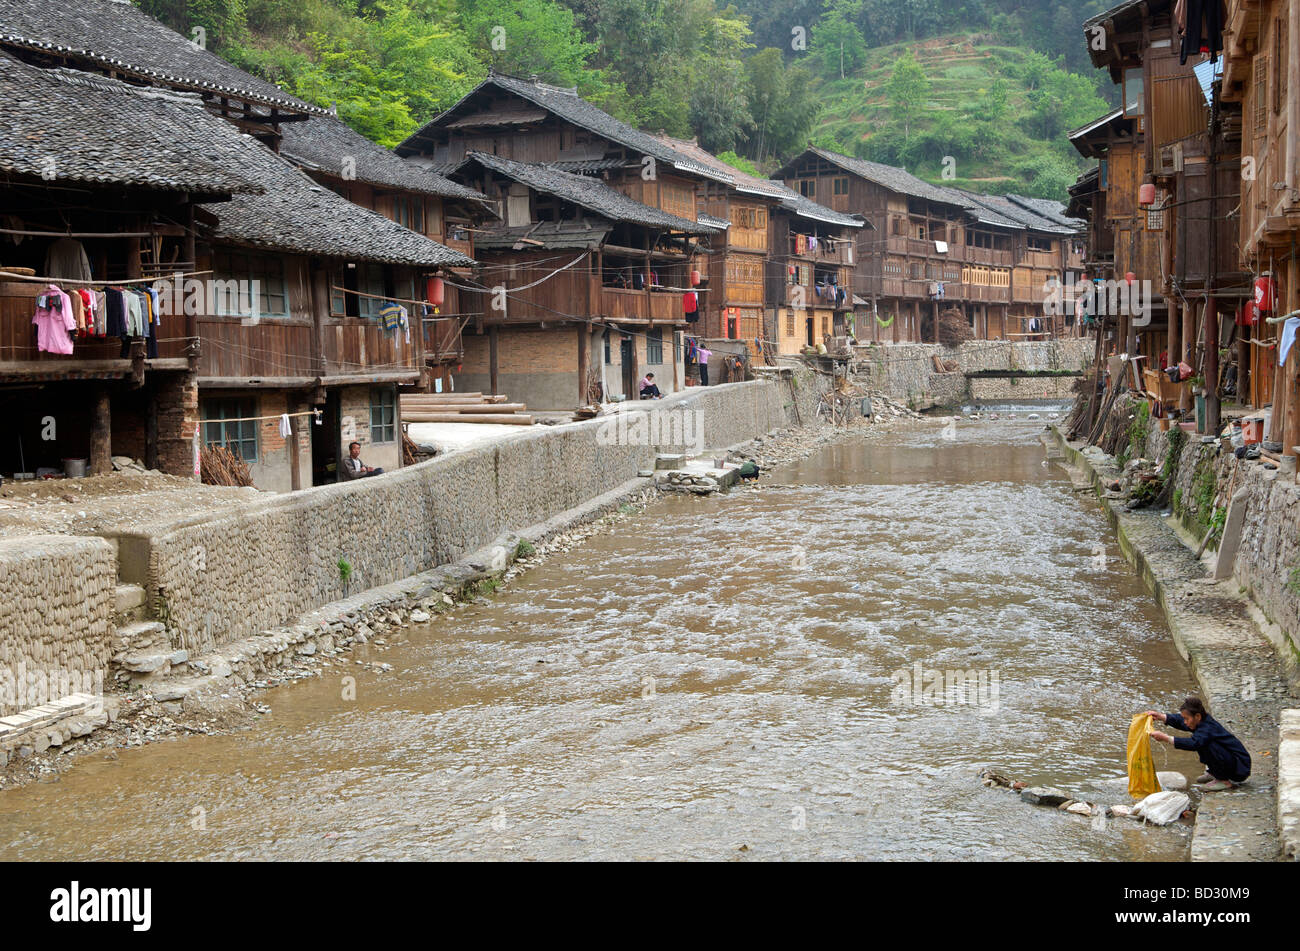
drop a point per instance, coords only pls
(115, 34)
(67, 126)
(1095, 124)
(589, 193)
(330, 146)
(568, 105)
(298, 215)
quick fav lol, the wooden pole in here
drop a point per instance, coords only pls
(492, 359)
(584, 362)
(101, 435)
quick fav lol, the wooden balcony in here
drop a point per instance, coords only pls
(91, 357)
(823, 255)
(618, 303)
(985, 257)
(270, 350)
(357, 347)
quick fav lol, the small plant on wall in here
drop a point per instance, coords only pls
(345, 573)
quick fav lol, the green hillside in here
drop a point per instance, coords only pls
(999, 112)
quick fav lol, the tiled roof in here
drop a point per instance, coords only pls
(807, 208)
(1053, 211)
(330, 146)
(588, 193)
(895, 179)
(568, 105)
(115, 34)
(67, 126)
(549, 235)
(743, 182)
(298, 215)
(1021, 214)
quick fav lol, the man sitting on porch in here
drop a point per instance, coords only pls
(354, 468)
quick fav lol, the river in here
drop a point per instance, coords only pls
(727, 677)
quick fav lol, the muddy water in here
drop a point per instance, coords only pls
(712, 682)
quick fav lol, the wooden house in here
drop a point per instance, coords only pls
(936, 248)
(576, 274)
(1261, 75)
(1172, 164)
(283, 320)
(419, 199)
(538, 124)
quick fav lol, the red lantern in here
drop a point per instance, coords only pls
(434, 291)
(1147, 194)
(1130, 277)
(1247, 314)
(695, 278)
(1265, 294)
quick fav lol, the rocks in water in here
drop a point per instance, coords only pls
(419, 617)
(1043, 795)
(1172, 780)
(1120, 812)
(1079, 808)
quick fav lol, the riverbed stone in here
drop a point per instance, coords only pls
(1169, 779)
(1043, 795)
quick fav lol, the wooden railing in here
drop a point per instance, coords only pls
(354, 345)
(270, 348)
(619, 303)
(442, 340)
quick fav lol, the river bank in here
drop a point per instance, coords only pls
(1236, 665)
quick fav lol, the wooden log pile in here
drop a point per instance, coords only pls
(463, 408)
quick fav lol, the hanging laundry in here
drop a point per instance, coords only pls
(66, 259)
(1288, 338)
(390, 315)
(54, 321)
(1202, 28)
(286, 428)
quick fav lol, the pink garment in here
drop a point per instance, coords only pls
(704, 356)
(52, 327)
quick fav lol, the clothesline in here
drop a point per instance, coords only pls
(79, 234)
(384, 297)
(258, 419)
(67, 280)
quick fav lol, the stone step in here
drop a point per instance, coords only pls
(42, 727)
(669, 461)
(139, 635)
(128, 596)
(129, 604)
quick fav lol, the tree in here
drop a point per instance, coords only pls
(783, 104)
(528, 37)
(836, 40)
(907, 90)
(718, 99)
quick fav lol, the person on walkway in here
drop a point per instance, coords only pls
(354, 468)
(1227, 763)
(703, 354)
(650, 389)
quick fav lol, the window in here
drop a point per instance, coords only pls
(789, 323)
(654, 346)
(248, 285)
(808, 188)
(383, 414)
(371, 280)
(841, 186)
(1134, 100)
(607, 355)
(409, 213)
(227, 422)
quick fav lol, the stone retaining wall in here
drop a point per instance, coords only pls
(56, 595)
(262, 564)
(906, 372)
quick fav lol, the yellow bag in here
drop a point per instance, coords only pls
(1142, 780)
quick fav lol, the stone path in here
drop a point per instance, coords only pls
(1236, 666)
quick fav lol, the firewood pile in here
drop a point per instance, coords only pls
(410, 453)
(954, 328)
(220, 466)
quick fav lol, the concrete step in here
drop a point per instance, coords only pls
(129, 604)
(139, 636)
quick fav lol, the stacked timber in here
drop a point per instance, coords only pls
(463, 408)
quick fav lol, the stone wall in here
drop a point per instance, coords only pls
(263, 563)
(906, 372)
(56, 596)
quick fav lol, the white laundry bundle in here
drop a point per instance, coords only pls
(1162, 808)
